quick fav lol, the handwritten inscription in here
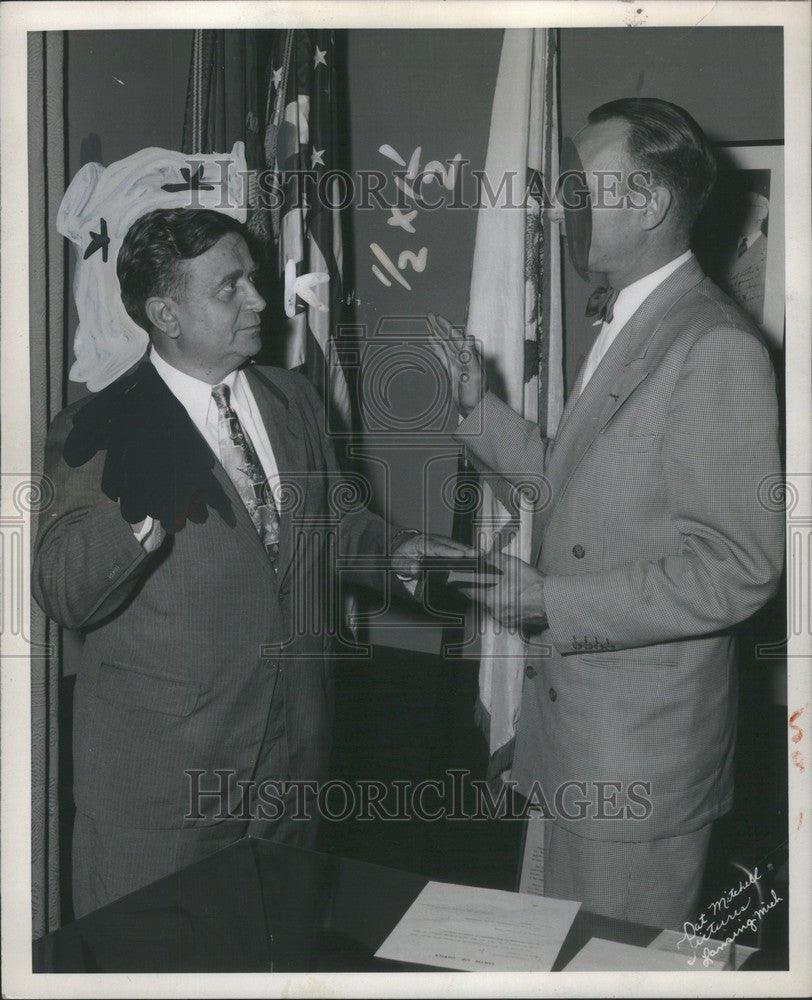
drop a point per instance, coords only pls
(731, 914)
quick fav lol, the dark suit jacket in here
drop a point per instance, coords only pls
(181, 646)
(658, 538)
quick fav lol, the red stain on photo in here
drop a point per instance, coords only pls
(798, 733)
(798, 760)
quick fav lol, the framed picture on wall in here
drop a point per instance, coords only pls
(740, 236)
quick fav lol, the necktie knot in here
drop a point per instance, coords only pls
(221, 394)
(601, 303)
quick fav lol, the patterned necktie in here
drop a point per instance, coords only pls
(602, 304)
(742, 247)
(245, 471)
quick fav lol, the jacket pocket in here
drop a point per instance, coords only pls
(132, 688)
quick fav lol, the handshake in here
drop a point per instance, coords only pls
(511, 590)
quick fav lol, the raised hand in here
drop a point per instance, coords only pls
(458, 352)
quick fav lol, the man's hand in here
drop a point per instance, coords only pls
(516, 599)
(459, 354)
(407, 555)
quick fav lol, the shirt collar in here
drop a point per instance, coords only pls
(634, 295)
(193, 393)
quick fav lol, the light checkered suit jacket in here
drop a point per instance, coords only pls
(176, 668)
(655, 543)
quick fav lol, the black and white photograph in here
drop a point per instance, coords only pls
(406, 499)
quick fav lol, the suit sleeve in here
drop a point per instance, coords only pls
(721, 441)
(86, 560)
(361, 531)
(500, 441)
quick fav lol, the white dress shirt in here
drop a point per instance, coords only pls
(627, 303)
(195, 397)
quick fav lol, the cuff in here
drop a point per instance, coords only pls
(150, 534)
(144, 530)
(562, 601)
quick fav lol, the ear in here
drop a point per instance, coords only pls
(161, 314)
(657, 207)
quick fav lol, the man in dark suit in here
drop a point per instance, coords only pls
(657, 539)
(192, 541)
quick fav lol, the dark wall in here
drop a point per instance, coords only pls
(124, 90)
(128, 88)
(409, 89)
(729, 79)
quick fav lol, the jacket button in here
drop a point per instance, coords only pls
(578, 551)
(553, 694)
(530, 671)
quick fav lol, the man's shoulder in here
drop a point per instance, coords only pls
(292, 384)
(707, 308)
(67, 413)
(107, 399)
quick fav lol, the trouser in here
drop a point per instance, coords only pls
(656, 882)
(111, 861)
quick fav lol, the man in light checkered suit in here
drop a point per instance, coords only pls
(655, 543)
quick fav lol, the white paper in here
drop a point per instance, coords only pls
(531, 878)
(599, 955)
(482, 930)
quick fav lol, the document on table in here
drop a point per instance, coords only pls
(462, 927)
(704, 954)
(662, 955)
(599, 955)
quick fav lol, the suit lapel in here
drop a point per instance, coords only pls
(242, 523)
(574, 395)
(623, 368)
(285, 434)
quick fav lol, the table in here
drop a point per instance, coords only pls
(258, 906)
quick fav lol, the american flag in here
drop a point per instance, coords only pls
(301, 147)
(287, 117)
